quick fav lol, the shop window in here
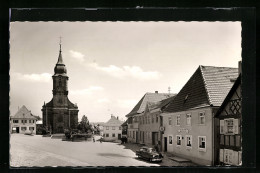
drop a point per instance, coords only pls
(113, 135)
(31, 128)
(202, 142)
(23, 128)
(170, 139)
(188, 140)
(107, 135)
(178, 137)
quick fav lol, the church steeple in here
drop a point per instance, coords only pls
(60, 66)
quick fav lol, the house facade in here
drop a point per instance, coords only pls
(150, 123)
(112, 129)
(230, 116)
(190, 130)
(135, 116)
(23, 121)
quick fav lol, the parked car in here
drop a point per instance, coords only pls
(149, 154)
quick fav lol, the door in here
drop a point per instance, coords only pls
(119, 136)
(137, 137)
(165, 144)
(17, 129)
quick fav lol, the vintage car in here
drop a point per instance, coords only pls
(149, 154)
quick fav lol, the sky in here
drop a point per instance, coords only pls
(111, 65)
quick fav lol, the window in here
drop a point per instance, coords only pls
(107, 135)
(29, 121)
(22, 121)
(202, 142)
(32, 121)
(23, 128)
(178, 120)
(170, 120)
(229, 126)
(170, 139)
(119, 127)
(113, 128)
(202, 118)
(133, 134)
(15, 121)
(188, 141)
(25, 121)
(107, 127)
(31, 128)
(157, 118)
(178, 137)
(188, 119)
(113, 135)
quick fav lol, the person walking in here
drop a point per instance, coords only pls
(93, 138)
(101, 139)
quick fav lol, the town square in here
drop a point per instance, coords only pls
(125, 94)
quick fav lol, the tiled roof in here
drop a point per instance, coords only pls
(161, 104)
(23, 112)
(113, 121)
(218, 81)
(148, 97)
(207, 86)
(229, 95)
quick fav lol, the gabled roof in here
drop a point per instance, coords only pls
(159, 105)
(208, 86)
(148, 97)
(113, 121)
(23, 112)
(229, 96)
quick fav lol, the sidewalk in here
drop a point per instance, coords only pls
(168, 158)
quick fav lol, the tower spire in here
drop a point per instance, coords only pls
(60, 43)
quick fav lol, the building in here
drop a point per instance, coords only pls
(137, 112)
(60, 113)
(98, 126)
(230, 116)
(23, 121)
(124, 128)
(190, 127)
(151, 121)
(112, 130)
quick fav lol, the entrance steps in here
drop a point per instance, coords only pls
(58, 136)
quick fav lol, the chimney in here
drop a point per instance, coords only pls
(117, 117)
(156, 92)
(239, 67)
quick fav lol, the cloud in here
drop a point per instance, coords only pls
(43, 77)
(128, 71)
(127, 103)
(88, 90)
(77, 55)
(103, 100)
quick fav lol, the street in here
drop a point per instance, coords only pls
(41, 151)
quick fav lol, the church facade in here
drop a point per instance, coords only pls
(60, 113)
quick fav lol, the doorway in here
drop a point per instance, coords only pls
(17, 129)
(119, 136)
(165, 144)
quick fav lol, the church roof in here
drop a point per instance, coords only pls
(60, 68)
(148, 97)
(208, 86)
(23, 112)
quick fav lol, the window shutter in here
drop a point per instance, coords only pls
(236, 126)
(225, 127)
(221, 155)
(239, 158)
(221, 125)
(235, 158)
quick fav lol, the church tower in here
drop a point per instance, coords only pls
(60, 113)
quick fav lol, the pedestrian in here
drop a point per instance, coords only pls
(93, 139)
(101, 139)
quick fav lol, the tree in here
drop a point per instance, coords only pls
(84, 125)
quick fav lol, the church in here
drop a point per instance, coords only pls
(60, 113)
